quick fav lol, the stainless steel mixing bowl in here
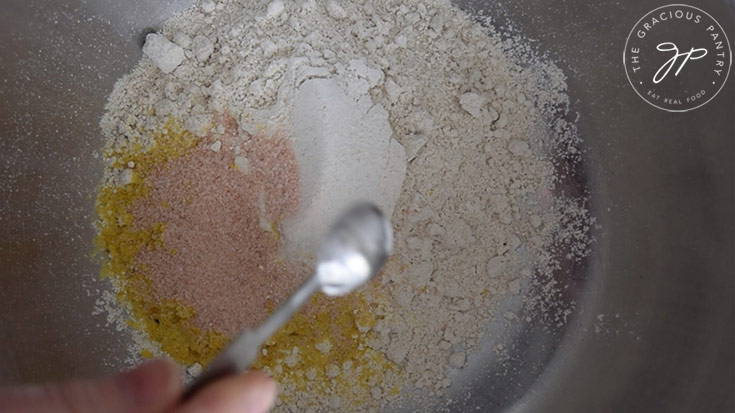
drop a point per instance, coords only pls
(654, 326)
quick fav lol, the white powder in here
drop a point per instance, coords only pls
(478, 218)
(166, 55)
(346, 154)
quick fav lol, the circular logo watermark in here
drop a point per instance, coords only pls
(677, 57)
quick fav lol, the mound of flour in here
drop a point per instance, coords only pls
(477, 120)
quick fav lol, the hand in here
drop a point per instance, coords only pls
(152, 387)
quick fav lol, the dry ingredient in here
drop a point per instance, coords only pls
(220, 221)
(206, 168)
(345, 151)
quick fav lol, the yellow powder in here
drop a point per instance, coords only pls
(323, 349)
(168, 322)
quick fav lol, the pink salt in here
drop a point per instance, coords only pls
(217, 257)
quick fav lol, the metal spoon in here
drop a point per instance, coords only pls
(350, 254)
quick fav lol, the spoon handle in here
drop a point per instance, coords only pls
(241, 353)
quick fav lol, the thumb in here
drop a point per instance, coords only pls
(152, 387)
(252, 392)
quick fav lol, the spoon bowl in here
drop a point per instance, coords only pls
(354, 250)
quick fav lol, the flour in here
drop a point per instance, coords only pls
(165, 54)
(475, 119)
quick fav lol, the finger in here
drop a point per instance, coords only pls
(253, 392)
(152, 387)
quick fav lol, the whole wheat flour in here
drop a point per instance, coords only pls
(477, 211)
